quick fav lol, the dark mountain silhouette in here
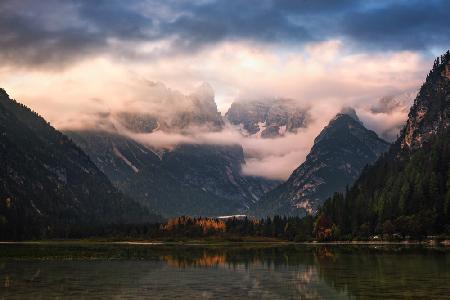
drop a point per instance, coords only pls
(48, 184)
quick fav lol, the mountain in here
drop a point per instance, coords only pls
(430, 114)
(407, 190)
(268, 119)
(218, 170)
(187, 179)
(172, 112)
(338, 155)
(47, 183)
(140, 173)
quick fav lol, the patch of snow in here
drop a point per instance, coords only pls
(140, 148)
(254, 196)
(157, 126)
(230, 176)
(125, 160)
(159, 153)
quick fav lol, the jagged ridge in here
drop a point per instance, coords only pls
(338, 155)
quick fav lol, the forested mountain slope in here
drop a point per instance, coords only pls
(47, 183)
(407, 190)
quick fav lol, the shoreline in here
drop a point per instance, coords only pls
(445, 243)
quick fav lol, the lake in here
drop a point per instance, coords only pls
(263, 271)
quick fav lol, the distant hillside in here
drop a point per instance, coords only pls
(338, 155)
(190, 180)
(48, 184)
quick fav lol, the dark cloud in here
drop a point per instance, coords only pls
(402, 25)
(252, 19)
(56, 32)
(302, 7)
(26, 39)
(113, 18)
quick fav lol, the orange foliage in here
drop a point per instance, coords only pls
(206, 224)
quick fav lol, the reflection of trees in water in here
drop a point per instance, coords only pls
(268, 257)
(206, 260)
(169, 272)
(391, 271)
(305, 281)
(122, 279)
(265, 269)
(324, 254)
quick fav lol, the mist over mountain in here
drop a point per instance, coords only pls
(339, 154)
(213, 164)
(176, 154)
(182, 176)
(172, 112)
(392, 110)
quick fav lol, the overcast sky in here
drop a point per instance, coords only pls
(69, 59)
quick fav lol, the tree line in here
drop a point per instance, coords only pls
(183, 227)
(406, 197)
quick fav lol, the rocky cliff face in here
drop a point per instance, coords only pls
(337, 157)
(217, 169)
(47, 183)
(141, 173)
(430, 113)
(268, 119)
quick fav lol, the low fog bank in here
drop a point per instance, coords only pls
(163, 118)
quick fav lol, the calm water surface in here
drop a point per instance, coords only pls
(109, 271)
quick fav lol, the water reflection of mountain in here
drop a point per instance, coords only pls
(272, 273)
(153, 279)
(165, 272)
(161, 272)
